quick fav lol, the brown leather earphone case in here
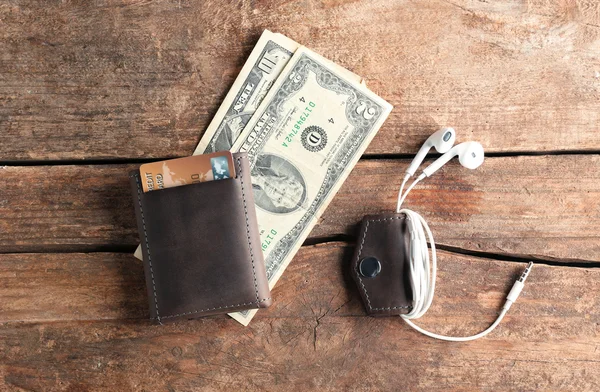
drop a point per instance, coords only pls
(380, 265)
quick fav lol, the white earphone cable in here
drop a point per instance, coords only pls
(410, 188)
(399, 203)
(423, 271)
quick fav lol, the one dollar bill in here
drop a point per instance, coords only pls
(302, 142)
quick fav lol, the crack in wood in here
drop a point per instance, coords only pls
(344, 239)
(368, 156)
(515, 258)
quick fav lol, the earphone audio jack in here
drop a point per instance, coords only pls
(423, 267)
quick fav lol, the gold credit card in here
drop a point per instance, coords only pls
(188, 170)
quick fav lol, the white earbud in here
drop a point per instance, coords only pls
(442, 140)
(422, 266)
(470, 155)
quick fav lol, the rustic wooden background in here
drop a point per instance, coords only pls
(91, 89)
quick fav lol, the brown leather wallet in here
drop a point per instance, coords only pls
(201, 247)
(380, 266)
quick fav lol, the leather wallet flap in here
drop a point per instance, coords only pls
(201, 247)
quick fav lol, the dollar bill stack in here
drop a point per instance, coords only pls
(304, 122)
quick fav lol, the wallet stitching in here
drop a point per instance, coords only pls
(137, 180)
(247, 228)
(358, 258)
(258, 301)
(220, 307)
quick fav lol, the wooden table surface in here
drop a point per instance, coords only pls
(91, 89)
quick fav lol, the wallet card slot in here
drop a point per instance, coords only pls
(201, 232)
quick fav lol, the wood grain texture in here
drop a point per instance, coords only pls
(71, 286)
(355, 354)
(51, 208)
(316, 336)
(544, 207)
(125, 79)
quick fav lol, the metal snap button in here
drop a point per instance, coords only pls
(369, 267)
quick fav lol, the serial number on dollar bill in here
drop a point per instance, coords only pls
(298, 125)
(268, 239)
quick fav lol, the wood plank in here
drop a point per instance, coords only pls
(40, 287)
(315, 336)
(71, 286)
(280, 354)
(543, 207)
(49, 208)
(142, 79)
